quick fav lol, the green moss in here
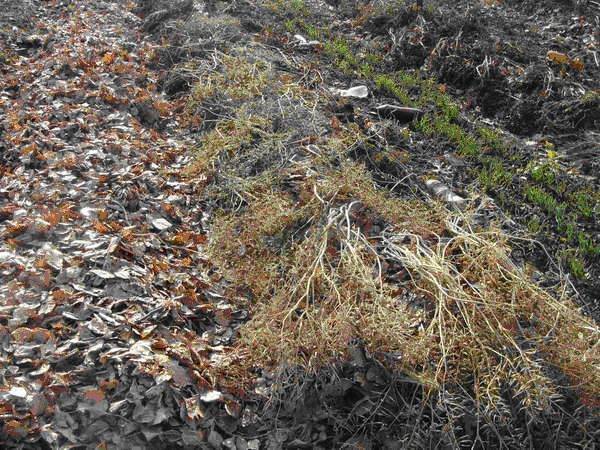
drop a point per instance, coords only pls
(466, 144)
(389, 86)
(561, 187)
(290, 25)
(542, 199)
(296, 24)
(493, 174)
(570, 231)
(576, 267)
(366, 70)
(373, 58)
(340, 51)
(339, 48)
(585, 203)
(408, 79)
(425, 125)
(491, 138)
(289, 7)
(544, 174)
(449, 110)
(586, 245)
(298, 6)
(312, 32)
(534, 225)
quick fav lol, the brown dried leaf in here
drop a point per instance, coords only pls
(577, 64)
(108, 58)
(101, 228)
(25, 335)
(15, 429)
(564, 59)
(193, 408)
(109, 385)
(95, 395)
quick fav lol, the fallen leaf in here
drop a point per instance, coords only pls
(161, 224)
(102, 274)
(15, 429)
(95, 395)
(193, 408)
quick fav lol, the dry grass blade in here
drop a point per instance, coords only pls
(491, 321)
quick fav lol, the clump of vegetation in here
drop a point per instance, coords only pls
(323, 255)
(541, 198)
(577, 267)
(326, 287)
(584, 200)
(293, 12)
(544, 174)
(493, 174)
(339, 50)
(228, 137)
(315, 281)
(390, 87)
(240, 79)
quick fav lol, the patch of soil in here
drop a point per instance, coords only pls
(499, 56)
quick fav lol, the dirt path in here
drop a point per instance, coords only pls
(101, 259)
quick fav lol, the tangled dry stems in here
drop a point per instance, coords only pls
(301, 246)
(318, 283)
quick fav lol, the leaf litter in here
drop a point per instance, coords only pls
(105, 310)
